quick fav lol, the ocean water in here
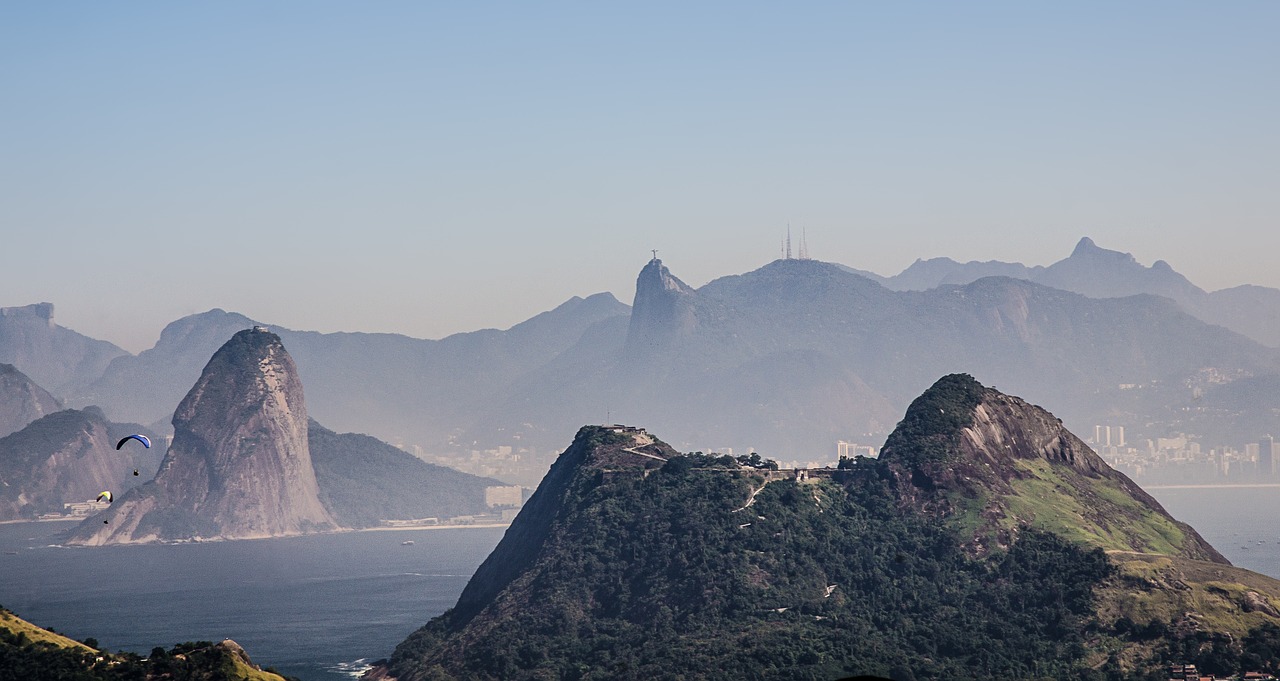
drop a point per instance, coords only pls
(321, 607)
(1243, 523)
(318, 608)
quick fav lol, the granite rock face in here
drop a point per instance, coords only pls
(239, 466)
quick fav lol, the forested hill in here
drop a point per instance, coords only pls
(634, 562)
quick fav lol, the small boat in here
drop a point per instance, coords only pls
(407, 542)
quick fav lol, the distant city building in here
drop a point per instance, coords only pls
(1108, 436)
(849, 450)
(502, 496)
(1267, 456)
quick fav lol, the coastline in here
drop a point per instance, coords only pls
(415, 528)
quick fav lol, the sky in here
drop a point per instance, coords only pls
(431, 168)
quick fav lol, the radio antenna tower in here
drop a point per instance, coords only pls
(788, 240)
(804, 243)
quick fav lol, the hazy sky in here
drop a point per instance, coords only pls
(428, 168)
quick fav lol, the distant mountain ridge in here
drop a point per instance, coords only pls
(391, 385)
(799, 354)
(1090, 270)
(795, 355)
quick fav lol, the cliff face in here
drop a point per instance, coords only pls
(239, 466)
(66, 457)
(21, 400)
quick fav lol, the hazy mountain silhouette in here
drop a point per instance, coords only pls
(21, 400)
(57, 358)
(364, 481)
(387, 384)
(1253, 311)
(800, 353)
(791, 357)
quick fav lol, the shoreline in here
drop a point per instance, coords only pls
(428, 527)
(42, 520)
(214, 540)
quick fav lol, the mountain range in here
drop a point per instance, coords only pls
(798, 354)
(789, 358)
(1253, 311)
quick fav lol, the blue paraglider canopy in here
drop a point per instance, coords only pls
(140, 438)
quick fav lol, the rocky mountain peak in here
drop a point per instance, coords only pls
(1087, 249)
(662, 310)
(38, 311)
(1102, 273)
(998, 465)
(239, 465)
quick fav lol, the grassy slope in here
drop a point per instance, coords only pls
(1094, 512)
(17, 625)
(233, 667)
(1162, 588)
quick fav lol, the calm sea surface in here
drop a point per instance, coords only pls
(1243, 523)
(321, 607)
(316, 607)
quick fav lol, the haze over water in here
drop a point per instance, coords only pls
(310, 607)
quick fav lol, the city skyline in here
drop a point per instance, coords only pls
(428, 170)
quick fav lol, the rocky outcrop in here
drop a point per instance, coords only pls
(1001, 465)
(239, 466)
(662, 311)
(66, 457)
(21, 400)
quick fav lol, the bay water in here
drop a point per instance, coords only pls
(322, 607)
(317, 607)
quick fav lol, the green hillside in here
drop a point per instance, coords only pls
(987, 542)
